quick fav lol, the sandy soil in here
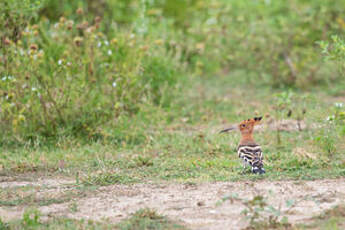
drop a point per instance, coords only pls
(195, 205)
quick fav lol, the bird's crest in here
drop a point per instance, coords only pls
(246, 126)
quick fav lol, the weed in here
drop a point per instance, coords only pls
(330, 219)
(3, 225)
(31, 218)
(56, 223)
(81, 94)
(98, 90)
(283, 103)
(260, 214)
(82, 73)
(106, 178)
(143, 161)
(73, 207)
(255, 211)
(148, 219)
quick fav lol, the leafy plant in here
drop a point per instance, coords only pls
(31, 218)
(76, 78)
(327, 137)
(73, 207)
(4, 225)
(260, 214)
(334, 50)
(148, 219)
(83, 71)
(282, 105)
(106, 178)
(143, 161)
(14, 17)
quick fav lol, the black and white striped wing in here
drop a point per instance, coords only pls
(251, 154)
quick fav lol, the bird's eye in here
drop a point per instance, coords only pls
(243, 125)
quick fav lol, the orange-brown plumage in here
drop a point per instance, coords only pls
(248, 150)
(246, 128)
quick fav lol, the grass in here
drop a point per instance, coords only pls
(78, 75)
(29, 222)
(181, 143)
(333, 218)
(147, 106)
(142, 219)
(140, 96)
(148, 219)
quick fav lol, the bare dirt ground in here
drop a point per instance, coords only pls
(196, 206)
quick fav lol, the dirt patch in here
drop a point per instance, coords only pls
(37, 183)
(288, 125)
(195, 205)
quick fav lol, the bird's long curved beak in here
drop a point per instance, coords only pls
(228, 129)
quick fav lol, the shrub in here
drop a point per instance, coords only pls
(68, 78)
(276, 39)
(334, 51)
(68, 75)
(14, 16)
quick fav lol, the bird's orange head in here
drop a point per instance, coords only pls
(246, 127)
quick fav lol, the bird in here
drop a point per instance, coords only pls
(248, 150)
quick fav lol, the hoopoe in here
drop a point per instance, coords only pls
(248, 150)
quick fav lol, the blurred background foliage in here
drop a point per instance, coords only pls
(69, 66)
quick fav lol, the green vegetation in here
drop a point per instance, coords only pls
(331, 219)
(142, 219)
(182, 142)
(262, 215)
(148, 219)
(127, 91)
(32, 220)
(75, 69)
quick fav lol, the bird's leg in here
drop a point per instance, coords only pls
(244, 167)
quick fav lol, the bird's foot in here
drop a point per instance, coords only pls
(257, 170)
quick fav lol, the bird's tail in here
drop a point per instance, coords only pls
(258, 166)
